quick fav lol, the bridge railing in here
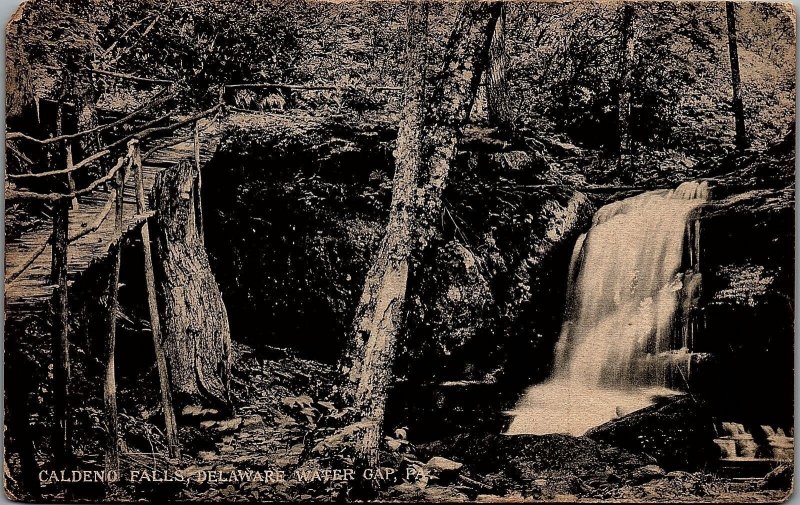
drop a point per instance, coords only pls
(12, 194)
(126, 165)
(288, 88)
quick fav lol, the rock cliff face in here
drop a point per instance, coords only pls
(294, 214)
(747, 263)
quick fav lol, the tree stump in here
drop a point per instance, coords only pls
(197, 339)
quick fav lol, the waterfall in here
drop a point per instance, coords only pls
(628, 326)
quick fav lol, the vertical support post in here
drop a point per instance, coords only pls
(110, 380)
(498, 103)
(67, 151)
(62, 450)
(152, 304)
(198, 185)
(70, 180)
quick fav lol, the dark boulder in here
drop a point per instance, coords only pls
(677, 432)
(781, 478)
(747, 267)
(539, 465)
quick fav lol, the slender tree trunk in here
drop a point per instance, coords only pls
(736, 80)
(110, 343)
(170, 425)
(497, 98)
(625, 78)
(426, 146)
(62, 447)
(197, 335)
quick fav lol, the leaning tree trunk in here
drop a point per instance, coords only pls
(736, 80)
(197, 338)
(393, 252)
(497, 97)
(380, 314)
(625, 84)
(426, 146)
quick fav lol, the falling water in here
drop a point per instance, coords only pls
(628, 328)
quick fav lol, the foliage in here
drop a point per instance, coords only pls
(207, 43)
(565, 60)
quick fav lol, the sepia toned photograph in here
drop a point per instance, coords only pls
(399, 251)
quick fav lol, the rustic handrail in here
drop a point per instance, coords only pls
(163, 129)
(141, 135)
(63, 171)
(158, 100)
(118, 75)
(130, 77)
(173, 141)
(13, 194)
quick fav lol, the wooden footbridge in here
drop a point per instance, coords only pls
(92, 232)
(88, 224)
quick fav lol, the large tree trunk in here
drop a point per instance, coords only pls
(380, 314)
(736, 81)
(197, 338)
(395, 245)
(497, 98)
(625, 77)
(426, 146)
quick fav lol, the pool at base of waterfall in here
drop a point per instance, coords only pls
(570, 407)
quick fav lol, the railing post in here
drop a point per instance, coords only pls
(70, 180)
(110, 380)
(152, 304)
(198, 185)
(67, 151)
(62, 449)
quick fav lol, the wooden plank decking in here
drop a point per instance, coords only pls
(31, 291)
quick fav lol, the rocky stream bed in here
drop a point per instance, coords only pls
(285, 440)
